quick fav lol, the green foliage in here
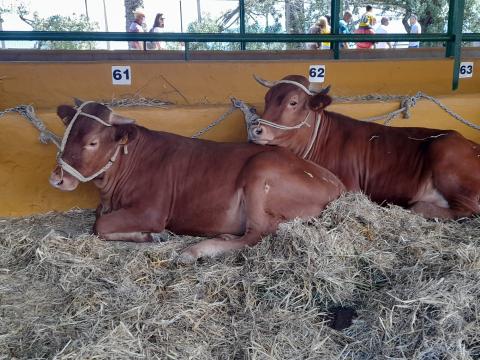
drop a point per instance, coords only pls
(209, 25)
(60, 23)
(471, 21)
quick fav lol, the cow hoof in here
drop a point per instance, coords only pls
(187, 256)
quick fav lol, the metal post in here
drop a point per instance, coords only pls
(181, 17)
(454, 46)
(334, 25)
(186, 55)
(242, 22)
(86, 9)
(106, 22)
(1, 29)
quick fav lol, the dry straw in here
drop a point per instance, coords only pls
(415, 285)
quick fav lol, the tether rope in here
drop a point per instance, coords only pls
(406, 104)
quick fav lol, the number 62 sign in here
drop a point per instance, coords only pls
(121, 75)
(316, 73)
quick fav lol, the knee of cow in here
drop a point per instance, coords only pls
(99, 228)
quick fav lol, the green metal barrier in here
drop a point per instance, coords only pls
(453, 38)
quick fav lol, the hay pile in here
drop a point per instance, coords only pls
(415, 285)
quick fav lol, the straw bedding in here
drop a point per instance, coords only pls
(413, 284)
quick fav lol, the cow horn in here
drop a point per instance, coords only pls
(263, 82)
(116, 119)
(77, 101)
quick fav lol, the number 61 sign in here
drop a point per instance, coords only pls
(121, 75)
(316, 73)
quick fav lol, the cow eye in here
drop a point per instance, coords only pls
(93, 143)
(293, 103)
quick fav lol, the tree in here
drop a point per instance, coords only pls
(209, 25)
(59, 23)
(130, 7)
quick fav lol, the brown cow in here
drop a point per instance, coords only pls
(433, 172)
(150, 181)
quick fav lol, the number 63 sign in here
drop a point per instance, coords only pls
(466, 69)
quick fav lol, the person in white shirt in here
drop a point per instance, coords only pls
(158, 27)
(383, 29)
(415, 28)
(136, 26)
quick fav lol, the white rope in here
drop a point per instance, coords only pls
(291, 82)
(214, 123)
(313, 137)
(406, 103)
(283, 127)
(28, 112)
(70, 169)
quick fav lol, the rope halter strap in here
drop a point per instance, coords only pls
(299, 125)
(311, 142)
(283, 127)
(70, 169)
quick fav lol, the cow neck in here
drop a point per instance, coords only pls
(116, 174)
(319, 138)
(329, 148)
(313, 137)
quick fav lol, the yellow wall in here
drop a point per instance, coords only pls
(202, 89)
(46, 85)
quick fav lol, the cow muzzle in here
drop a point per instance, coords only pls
(258, 134)
(62, 181)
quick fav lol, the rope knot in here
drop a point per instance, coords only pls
(406, 104)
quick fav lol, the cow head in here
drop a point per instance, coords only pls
(290, 111)
(93, 137)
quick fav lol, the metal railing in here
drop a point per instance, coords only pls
(453, 38)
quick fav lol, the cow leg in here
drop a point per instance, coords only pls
(430, 211)
(123, 225)
(218, 246)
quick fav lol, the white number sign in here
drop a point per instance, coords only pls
(316, 73)
(121, 75)
(466, 69)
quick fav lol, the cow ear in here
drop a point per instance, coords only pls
(66, 113)
(319, 102)
(125, 133)
(116, 119)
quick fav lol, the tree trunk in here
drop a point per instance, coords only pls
(130, 7)
(199, 12)
(294, 20)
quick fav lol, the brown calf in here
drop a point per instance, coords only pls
(434, 172)
(150, 181)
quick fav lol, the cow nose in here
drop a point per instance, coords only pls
(257, 131)
(56, 177)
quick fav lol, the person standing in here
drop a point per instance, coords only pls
(343, 27)
(366, 27)
(314, 30)
(136, 27)
(320, 27)
(158, 27)
(383, 29)
(367, 19)
(324, 29)
(415, 28)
